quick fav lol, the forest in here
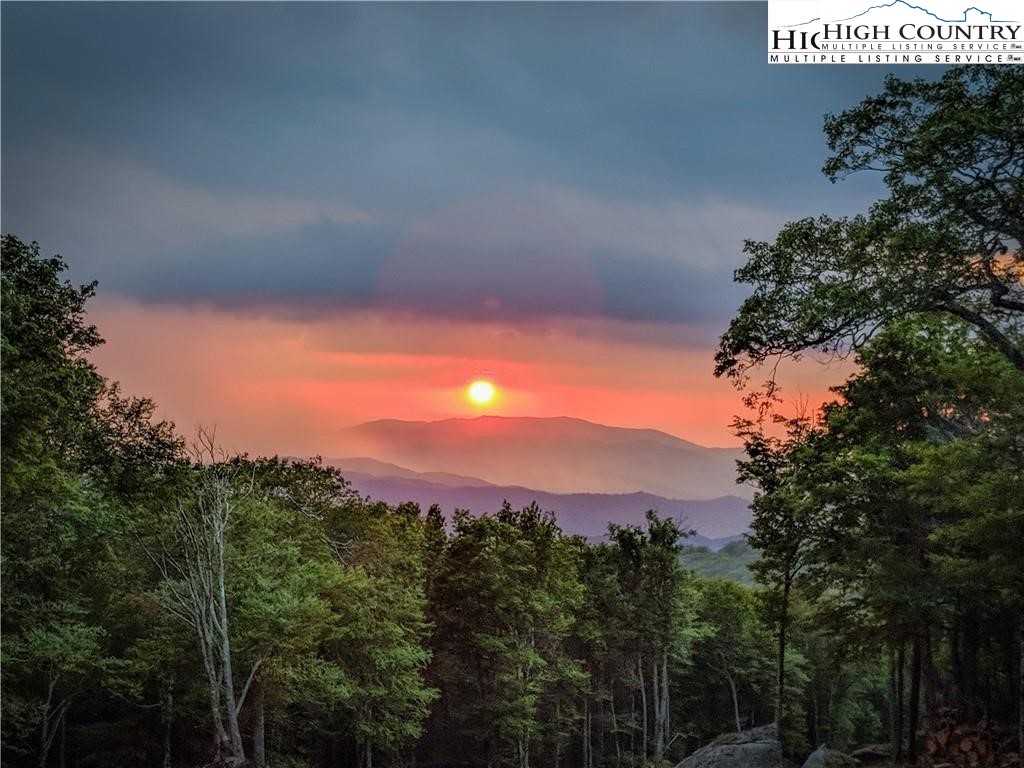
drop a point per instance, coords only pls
(165, 603)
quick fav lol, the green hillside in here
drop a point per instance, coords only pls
(730, 562)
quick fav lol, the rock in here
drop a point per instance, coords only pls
(755, 748)
(823, 757)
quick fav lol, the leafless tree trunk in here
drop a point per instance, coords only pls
(52, 720)
(523, 747)
(195, 586)
(735, 701)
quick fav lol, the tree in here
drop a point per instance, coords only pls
(502, 604)
(896, 478)
(62, 514)
(659, 627)
(946, 241)
(735, 645)
(781, 529)
(195, 588)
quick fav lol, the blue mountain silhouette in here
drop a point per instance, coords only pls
(916, 8)
(933, 15)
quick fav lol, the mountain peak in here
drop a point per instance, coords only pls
(522, 423)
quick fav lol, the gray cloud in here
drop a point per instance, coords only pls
(461, 265)
(481, 161)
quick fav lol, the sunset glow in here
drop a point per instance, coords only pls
(460, 253)
(481, 392)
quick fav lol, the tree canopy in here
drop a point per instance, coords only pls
(946, 240)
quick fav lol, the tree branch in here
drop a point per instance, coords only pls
(989, 330)
(248, 683)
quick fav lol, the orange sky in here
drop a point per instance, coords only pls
(273, 385)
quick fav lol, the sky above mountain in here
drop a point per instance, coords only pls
(304, 216)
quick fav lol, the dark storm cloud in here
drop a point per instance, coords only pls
(328, 266)
(247, 154)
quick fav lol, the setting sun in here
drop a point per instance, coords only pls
(481, 392)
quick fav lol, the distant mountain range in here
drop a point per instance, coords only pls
(558, 455)
(588, 474)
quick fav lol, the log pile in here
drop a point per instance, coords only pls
(952, 744)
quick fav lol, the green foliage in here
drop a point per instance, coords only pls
(731, 562)
(946, 241)
(502, 600)
(892, 527)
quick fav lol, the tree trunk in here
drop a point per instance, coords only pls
(915, 700)
(632, 721)
(932, 681)
(615, 722)
(234, 732)
(259, 747)
(45, 738)
(781, 682)
(971, 642)
(167, 718)
(643, 708)
(1020, 693)
(659, 734)
(898, 738)
(590, 735)
(815, 717)
(52, 722)
(63, 754)
(586, 733)
(735, 701)
(830, 706)
(892, 698)
(666, 708)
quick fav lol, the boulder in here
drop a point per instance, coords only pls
(823, 757)
(755, 748)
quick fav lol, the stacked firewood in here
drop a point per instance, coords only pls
(952, 744)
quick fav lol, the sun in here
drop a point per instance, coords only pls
(481, 392)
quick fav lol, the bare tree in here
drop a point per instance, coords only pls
(193, 565)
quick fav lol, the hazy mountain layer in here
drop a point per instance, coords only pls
(557, 455)
(585, 514)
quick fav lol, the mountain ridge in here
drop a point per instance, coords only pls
(583, 514)
(562, 455)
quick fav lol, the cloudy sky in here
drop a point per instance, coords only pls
(304, 216)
